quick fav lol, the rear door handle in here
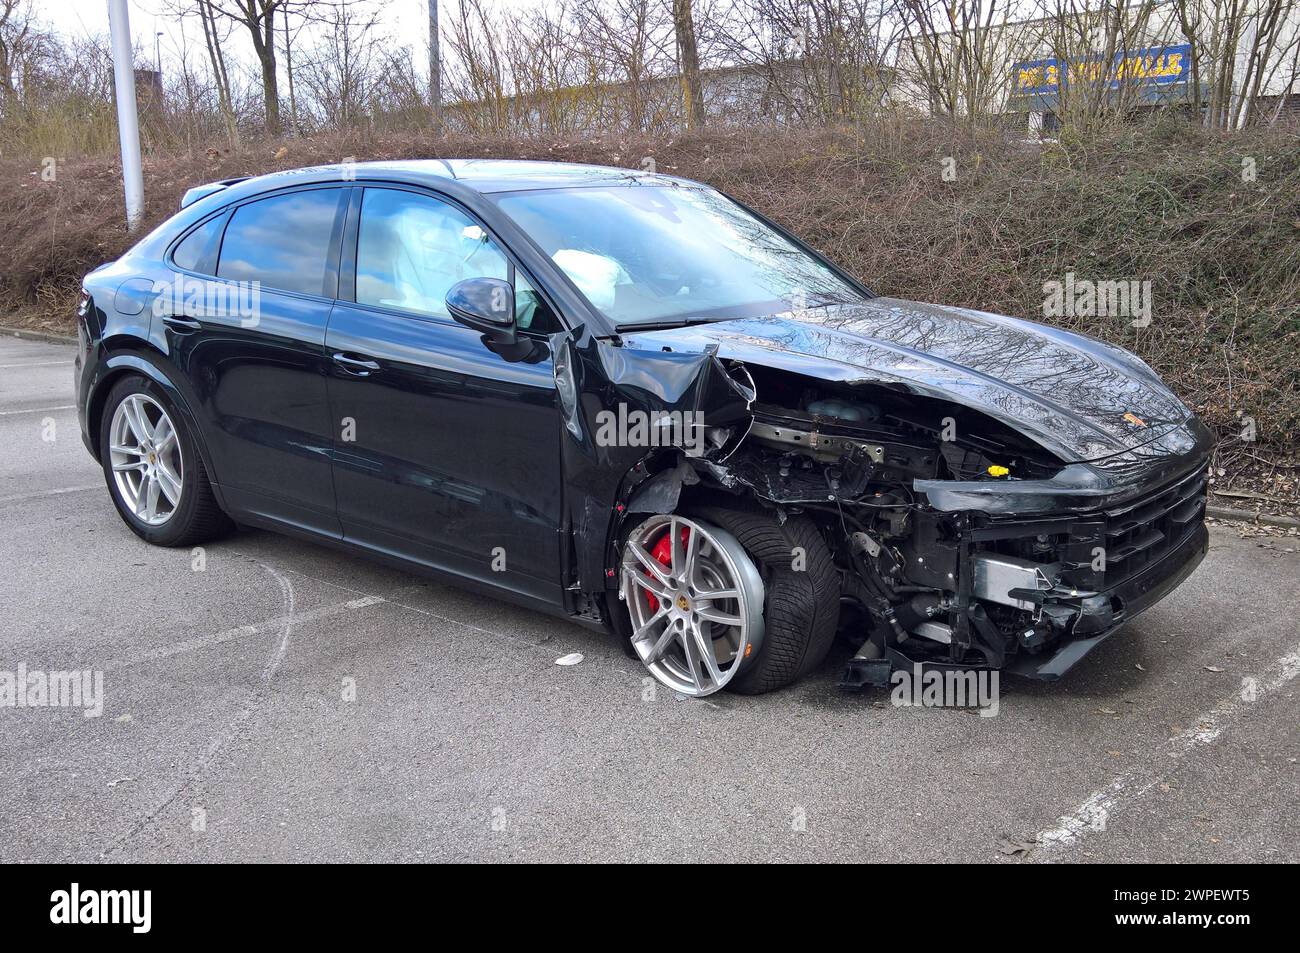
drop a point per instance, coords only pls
(356, 365)
(182, 324)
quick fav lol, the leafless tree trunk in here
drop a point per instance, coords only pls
(435, 67)
(1258, 34)
(688, 59)
(288, 71)
(258, 18)
(15, 27)
(1269, 45)
(212, 43)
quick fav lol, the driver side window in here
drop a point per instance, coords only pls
(411, 249)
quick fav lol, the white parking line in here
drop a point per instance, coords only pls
(1095, 813)
(39, 364)
(279, 622)
(415, 609)
(37, 410)
(58, 491)
(192, 774)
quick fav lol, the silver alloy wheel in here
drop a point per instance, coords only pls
(697, 620)
(145, 454)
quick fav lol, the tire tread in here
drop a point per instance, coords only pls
(802, 609)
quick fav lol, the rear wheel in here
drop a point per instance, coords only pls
(153, 469)
(729, 599)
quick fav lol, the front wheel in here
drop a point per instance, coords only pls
(153, 470)
(729, 599)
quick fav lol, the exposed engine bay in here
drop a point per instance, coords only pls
(966, 588)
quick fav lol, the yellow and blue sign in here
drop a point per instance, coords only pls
(1151, 71)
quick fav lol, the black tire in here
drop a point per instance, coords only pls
(198, 518)
(802, 607)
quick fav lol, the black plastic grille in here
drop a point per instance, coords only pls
(1142, 532)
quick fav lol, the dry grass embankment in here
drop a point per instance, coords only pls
(1161, 202)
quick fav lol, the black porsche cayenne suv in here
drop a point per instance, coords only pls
(628, 400)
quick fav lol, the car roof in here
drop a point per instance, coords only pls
(479, 175)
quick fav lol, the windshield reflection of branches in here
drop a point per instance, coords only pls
(655, 253)
(783, 270)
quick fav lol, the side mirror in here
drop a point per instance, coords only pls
(486, 305)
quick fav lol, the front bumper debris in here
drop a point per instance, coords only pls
(1152, 543)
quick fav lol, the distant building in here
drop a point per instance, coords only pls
(1034, 66)
(1027, 72)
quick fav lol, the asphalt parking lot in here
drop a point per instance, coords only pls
(288, 703)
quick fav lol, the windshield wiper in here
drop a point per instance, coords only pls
(665, 325)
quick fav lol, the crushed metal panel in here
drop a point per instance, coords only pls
(594, 377)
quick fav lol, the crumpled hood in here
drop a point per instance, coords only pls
(1081, 398)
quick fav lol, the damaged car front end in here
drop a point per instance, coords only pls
(1006, 507)
(956, 489)
(976, 519)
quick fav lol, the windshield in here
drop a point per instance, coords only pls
(649, 254)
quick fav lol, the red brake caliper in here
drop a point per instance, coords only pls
(663, 551)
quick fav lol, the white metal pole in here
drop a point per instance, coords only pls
(128, 128)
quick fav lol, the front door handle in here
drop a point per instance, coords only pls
(359, 366)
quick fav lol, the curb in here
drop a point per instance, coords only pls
(45, 336)
(1250, 516)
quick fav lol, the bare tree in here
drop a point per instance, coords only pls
(1097, 47)
(435, 66)
(339, 73)
(212, 41)
(959, 53)
(258, 18)
(625, 43)
(15, 40)
(399, 93)
(820, 61)
(1237, 48)
(688, 59)
(480, 82)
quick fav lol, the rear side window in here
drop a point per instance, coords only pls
(282, 242)
(198, 252)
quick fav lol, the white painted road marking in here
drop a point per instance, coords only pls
(193, 773)
(409, 608)
(38, 410)
(1094, 813)
(19, 498)
(276, 623)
